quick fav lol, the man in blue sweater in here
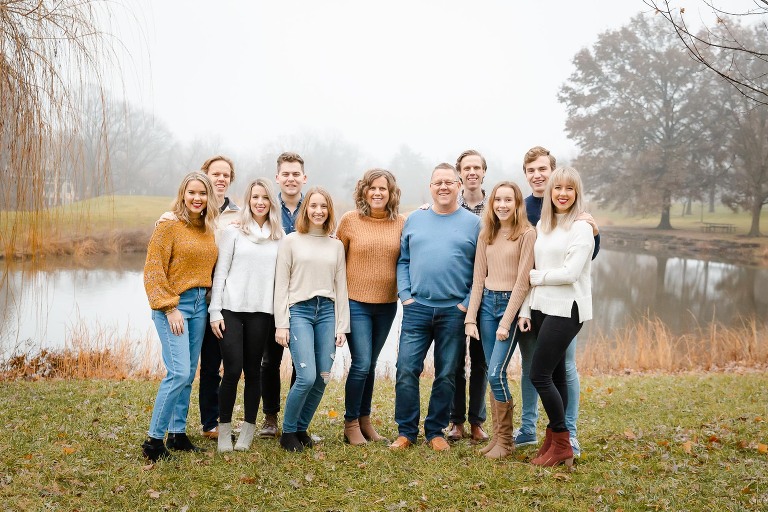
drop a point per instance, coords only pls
(434, 280)
(538, 164)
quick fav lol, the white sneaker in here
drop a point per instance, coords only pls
(576, 447)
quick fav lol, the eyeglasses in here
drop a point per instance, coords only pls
(447, 183)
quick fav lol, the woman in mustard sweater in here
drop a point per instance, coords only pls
(371, 238)
(503, 261)
(177, 274)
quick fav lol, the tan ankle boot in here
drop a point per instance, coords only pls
(505, 441)
(494, 425)
(368, 431)
(352, 434)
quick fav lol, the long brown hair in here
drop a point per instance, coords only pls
(491, 223)
(302, 219)
(211, 212)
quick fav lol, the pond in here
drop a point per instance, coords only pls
(41, 304)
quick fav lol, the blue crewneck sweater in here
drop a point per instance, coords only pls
(533, 209)
(437, 257)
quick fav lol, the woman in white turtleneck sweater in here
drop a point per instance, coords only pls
(241, 309)
(559, 302)
(311, 310)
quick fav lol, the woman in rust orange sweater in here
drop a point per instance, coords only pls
(371, 238)
(177, 275)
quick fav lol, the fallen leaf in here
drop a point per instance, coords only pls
(561, 476)
(148, 467)
(610, 391)
(758, 419)
(247, 480)
(589, 390)
(630, 435)
(118, 489)
(309, 477)
(662, 443)
(687, 446)
(68, 450)
(153, 494)
(742, 444)
(28, 456)
(333, 414)
(714, 439)
(762, 448)
(294, 483)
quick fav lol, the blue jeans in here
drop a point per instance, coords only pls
(313, 350)
(530, 414)
(180, 354)
(421, 325)
(370, 326)
(497, 353)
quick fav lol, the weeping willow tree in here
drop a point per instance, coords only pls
(50, 51)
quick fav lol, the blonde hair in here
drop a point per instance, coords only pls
(567, 176)
(491, 223)
(207, 164)
(302, 219)
(274, 217)
(211, 211)
(364, 184)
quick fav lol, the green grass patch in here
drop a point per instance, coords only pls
(655, 442)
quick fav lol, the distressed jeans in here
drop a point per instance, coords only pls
(312, 344)
(180, 355)
(497, 353)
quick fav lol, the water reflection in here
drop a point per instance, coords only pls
(38, 305)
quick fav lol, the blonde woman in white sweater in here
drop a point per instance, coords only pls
(241, 310)
(311, 310)
(559, 302)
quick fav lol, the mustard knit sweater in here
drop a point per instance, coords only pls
(179, 257)
(372, 246)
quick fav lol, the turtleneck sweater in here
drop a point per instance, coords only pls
(311, 265)
(372, 246)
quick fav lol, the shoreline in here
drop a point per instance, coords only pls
(721, 248)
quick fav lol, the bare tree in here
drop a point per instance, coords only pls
(718, 38)
(48, 48)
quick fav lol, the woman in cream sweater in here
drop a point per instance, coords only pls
(559, 302)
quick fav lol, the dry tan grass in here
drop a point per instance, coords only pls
(645, 346)
(649, 345)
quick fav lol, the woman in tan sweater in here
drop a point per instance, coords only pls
(371, 238)
(311, 311)
(503, 261)
(177, 275)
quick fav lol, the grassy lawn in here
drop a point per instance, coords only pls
(693, 222)
(655, 442)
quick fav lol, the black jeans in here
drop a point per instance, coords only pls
(553, 336)
(210, 364)
(270, 377)
(478, 383)
(242, 346)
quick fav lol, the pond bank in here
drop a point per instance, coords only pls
(718, 247)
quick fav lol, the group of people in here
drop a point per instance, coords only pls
(283, 273)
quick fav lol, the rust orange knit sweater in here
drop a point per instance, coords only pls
(179, 257)
(372, 246)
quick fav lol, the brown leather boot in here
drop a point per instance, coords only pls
(352, 434)
(494, 424)
(455, 432)
(369, 432)
(544, 446)
(560, 452)
(477, 433)
(505, 441)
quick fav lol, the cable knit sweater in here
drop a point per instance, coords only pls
(502, 266)
(179, 257)
(562, 275)
(372, 246)
(311, 265)
(244, 279)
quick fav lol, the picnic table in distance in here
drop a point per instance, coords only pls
(717, 227)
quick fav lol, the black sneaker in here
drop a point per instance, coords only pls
(154, 449)
(290, 442)
(305, 439)
(181, 442)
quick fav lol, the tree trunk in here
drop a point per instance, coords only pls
(712, 199)
(666, 205)
(757, 207)
(687, 209)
